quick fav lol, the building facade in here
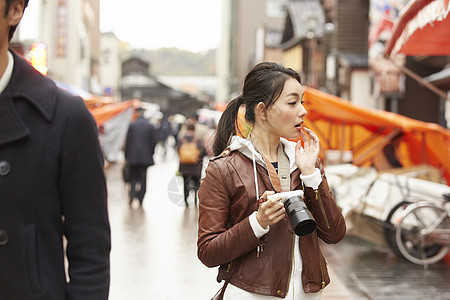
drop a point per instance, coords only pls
(137, 82)
(110, 64)
(70, 32)
(248, 28)
(325, 41)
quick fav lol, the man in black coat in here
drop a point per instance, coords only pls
(139, 148)
(52, 185)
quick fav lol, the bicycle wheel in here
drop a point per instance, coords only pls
(413, 242)
(391, 224)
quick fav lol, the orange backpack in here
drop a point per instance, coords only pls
(189, 152)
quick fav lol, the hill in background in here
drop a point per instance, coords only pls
(178, 62)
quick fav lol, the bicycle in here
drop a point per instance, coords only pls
(422, 235)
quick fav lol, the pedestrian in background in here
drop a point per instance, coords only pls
(174, 127)
(201, 130)
(52, 185)
(139, 149)
(242, 231)
(191, 152)
(163, 134)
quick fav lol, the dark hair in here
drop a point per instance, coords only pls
(264, 83)
(12, 29)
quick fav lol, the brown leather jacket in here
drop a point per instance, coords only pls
(227, 197)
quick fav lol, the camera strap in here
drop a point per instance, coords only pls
(284, 172)
(273, 175)
(281, 180)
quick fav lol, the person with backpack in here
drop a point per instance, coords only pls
(191, 152)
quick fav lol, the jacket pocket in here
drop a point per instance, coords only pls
(32, 259)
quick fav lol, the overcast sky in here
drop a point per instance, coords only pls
(187, 24)
(192, 25)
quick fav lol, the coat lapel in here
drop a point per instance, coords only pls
(12, 128)
(25, 83)
(29, 84)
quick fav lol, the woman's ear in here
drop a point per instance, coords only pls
(261, 110)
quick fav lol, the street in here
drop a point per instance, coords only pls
(154, 251)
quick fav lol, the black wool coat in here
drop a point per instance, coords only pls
(140, 143)
(51, 185)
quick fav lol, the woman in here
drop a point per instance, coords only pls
(240, 229)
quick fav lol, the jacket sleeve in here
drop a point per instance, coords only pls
(330, 222)
(83, 198)
(219, 242)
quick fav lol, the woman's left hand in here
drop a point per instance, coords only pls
(306, 158)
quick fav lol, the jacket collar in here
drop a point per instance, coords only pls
(245, 146)
(25, 83)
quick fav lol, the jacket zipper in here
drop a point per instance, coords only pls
(259, 250)
(322, 208)
(321, 266)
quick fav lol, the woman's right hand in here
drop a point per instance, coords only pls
(270, 211)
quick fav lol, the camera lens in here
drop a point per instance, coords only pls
(301, 219)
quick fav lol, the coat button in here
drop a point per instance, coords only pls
(5, 168)
(3, 237)
(279, 292)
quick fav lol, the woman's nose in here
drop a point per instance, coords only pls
(302, 111)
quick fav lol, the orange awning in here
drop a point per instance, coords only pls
(342, 125)
(422, 28)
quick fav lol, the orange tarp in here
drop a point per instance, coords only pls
(106, 112)
(342, 125)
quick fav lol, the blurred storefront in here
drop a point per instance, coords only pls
(69, 30)
(326, 47)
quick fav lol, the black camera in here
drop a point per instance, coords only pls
(301, 219)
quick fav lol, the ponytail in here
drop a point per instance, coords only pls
(227, 125)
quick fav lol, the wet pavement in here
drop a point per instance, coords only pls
(153, 252)
(154, 256)
(371, 272)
